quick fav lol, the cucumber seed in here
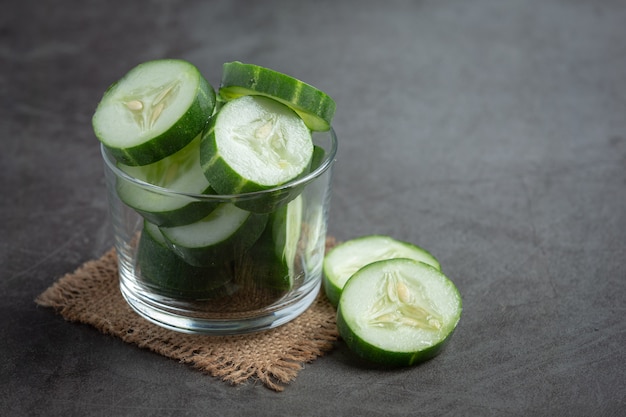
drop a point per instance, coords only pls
(134, 105)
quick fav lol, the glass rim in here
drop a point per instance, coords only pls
(327, 162)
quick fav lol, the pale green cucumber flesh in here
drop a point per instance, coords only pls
(253, 144)
(218, 237)
(348, 257)
(314, 106)
(286, 228)
(180, 172)
(398, 312)
(315, 229)
(153, 111)
(167, 274)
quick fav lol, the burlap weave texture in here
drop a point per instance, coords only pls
(91, 295)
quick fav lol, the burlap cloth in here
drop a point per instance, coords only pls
(91, 295)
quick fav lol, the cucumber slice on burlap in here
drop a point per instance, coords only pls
(398, 312)
(181, 173)
(350, 256)
(219, 237)
(255, 144)
(167, 274)
(153, 111)
(314, 106)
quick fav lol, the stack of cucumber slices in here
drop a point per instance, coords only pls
(173, 137)
(394, 305)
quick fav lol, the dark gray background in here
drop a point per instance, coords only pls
(492, 133)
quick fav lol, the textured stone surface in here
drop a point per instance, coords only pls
(492, 133)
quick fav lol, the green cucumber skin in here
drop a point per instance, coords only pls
(333, 294)
(173, 139)
(267, 254)
(270, 201)
(167, 274)
(225, 250)
(318, 157)
(191, 213)
(270, 270)
(244, 79)
(374, 355)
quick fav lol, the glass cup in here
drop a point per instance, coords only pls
(268, 273)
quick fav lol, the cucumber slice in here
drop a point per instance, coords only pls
(315, 229)
(180, 172)
(254, 144)
(167, 274)
(398, 312)
(153, 111)
(315, 107)
(286, 229)
(218, 237)
(318, 157)
(347, 258)
(273, 257)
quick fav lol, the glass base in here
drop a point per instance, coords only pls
(186, 320)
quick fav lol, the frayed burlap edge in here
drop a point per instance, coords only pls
(91, 295)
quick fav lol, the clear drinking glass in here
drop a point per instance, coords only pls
(268, 278)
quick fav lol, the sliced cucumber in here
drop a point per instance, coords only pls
(219, 237)
(167, 274)
(286, 229)
(273, 256)
(254, 144)
(180, 172)
(153, 111)
(315, 229)
(398, 312)
(315, 107)
(318, 157)
(348, 257)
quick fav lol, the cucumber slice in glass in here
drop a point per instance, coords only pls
(166, 273)
(254, 144)
(153, 111)
(218, 237)
(348, 257)
(180, 172)
(314, 106)
(318, 157)
(286, 229)
(398, 312)
(273, 256)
